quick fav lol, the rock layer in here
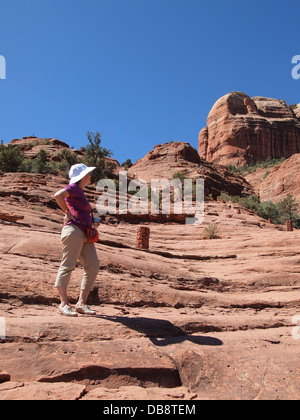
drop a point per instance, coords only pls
(241, 130)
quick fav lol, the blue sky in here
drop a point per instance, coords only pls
(141, 72)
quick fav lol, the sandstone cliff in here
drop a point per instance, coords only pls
(297, 111)
(284, 179)
(241, 130)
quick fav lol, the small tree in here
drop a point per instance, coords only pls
(127, 164)
(288, 206)
(11, 157)
(95, 156)
(40, 163)
(68, 156)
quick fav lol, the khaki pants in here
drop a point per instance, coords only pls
(77, 247)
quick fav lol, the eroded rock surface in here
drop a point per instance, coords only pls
(190, 318)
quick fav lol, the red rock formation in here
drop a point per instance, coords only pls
(10, 217)
(283, 179)
(297, 111)
(31, 141)
(241, 130)
(4, 376)
(166, 160)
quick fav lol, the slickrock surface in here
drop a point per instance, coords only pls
(190, 318)
(241, 130)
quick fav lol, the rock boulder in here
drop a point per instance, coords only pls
(174, 159)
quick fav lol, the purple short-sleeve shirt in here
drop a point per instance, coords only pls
(80, 204)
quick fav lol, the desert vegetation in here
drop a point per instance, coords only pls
(278, 213)
(13, 158)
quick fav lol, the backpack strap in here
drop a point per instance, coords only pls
(75, 213)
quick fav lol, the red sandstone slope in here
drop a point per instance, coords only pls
(241, 130)
(190, 318)
(284, 179)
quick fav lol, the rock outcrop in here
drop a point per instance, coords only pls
(297, 111)
(31, 147)
(241, 130)
(172, 159)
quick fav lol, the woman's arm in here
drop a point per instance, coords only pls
(60, 197)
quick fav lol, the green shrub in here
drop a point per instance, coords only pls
(68, 156)
(95, 156)
(254, 166)
(127, 164)
(11, 157)
(279, 212)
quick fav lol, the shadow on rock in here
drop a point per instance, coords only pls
(161, 332)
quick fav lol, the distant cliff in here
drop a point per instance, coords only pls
(241, 130)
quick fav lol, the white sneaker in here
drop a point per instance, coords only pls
(67, 310)
(84, 309)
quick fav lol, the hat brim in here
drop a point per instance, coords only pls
(82, 175)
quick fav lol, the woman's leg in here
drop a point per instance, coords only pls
(72, 242)
(83, 297)
(90, 262)
(63, 294)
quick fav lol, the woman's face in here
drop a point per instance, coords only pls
(86, 180)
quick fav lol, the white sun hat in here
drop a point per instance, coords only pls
(78, 171)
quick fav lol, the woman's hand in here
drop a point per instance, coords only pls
(68, 217)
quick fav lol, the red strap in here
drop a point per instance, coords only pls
(75, 213)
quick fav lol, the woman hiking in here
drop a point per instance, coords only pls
(75, 244)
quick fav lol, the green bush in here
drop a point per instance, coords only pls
(254, 166)
(95, 156)
(127, 164)
(11, 157)
(68, 156)
(279, 212)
